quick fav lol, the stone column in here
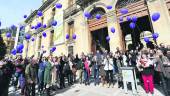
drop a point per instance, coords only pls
(162, 25)
(115, 38)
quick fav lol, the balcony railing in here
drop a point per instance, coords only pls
(123, 3)
(71, 10)
(85, 3)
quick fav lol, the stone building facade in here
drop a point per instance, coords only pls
(91, 33)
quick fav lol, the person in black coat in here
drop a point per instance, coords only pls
(61, 73)
(6, 71)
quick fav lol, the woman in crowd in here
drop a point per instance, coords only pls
(53, 71)
(41, 70)
(57, 71)
(61, 72)
(102, 72)
(19, 70)
(47, 74)
(119, 64)
(86, 71)
(146, 65)
(108, 61)
(95, 70)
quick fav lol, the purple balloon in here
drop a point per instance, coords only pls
(14, 51)
(21, 27)
(155, 16)
(54, 23)
(19, 47)
(0, 23)
(8, 35)
(108, 38)
(58, 5)
(128, 18)
(44, 34)
(121, 18)
(36, 27)
(155, 35)
(146, 39)
(25, 16)
(109, 7)
(13, 27)
(44, 26)
(134, 18)
(132, 25)
(39, 24)
(87, 15)
(27, 36)
(42, 46)
(124, 10)
(20, 51)
(39, 13)
(32, 39)
(74, 36)
(32, 27)
(67, 36)
(53, 49)
(113, 30)
(98, 16)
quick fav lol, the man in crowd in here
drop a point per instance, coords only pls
(31, 77)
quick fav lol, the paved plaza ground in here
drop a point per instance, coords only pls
(91, 90)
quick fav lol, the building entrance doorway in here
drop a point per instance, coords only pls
(135, 37)
(99, 41)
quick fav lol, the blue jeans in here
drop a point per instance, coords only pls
(40, 79)
(96, 76)
(86, 77)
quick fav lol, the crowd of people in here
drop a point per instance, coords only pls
(103, 68)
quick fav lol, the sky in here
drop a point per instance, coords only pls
(12, 11)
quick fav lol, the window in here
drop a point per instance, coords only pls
(42, 20)
(71, 29)
(51, 38)
(53, 12)
(70, 49)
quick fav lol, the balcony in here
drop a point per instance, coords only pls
(85, 3)
(71, 10)
(124, 3)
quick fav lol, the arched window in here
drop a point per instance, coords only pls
(97, 10)
(123, 3)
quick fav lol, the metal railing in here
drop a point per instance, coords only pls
(71, 10)
(85, 3)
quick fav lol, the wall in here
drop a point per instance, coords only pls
(162, 25)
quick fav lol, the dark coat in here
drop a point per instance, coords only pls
(162, 66)
(31, 73)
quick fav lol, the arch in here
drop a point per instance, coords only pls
(98, 5)
(97, 10)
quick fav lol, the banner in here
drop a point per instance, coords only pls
(59, 29)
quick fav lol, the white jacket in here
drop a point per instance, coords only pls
(108, 64)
